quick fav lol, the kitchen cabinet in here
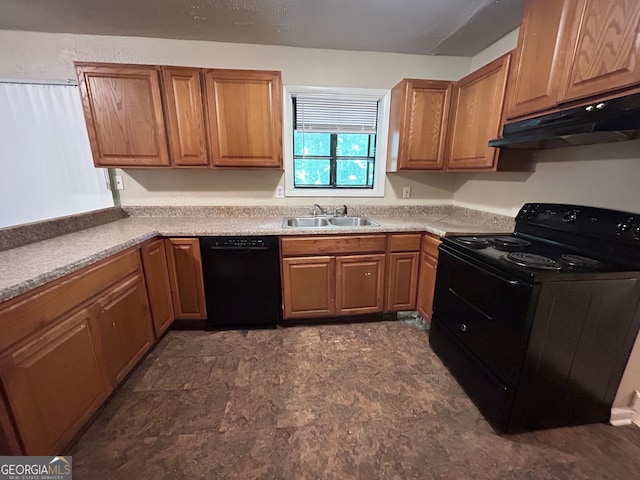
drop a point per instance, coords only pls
(123, 111)
(244, 113)
(332, 275)
(183, 95)
(124, 327)
(476, 117)
(603, 53)
(427, 280)
(154, 262)
(54, 383)
(402, 275)
(185, 276)
(64, 346)
(572, 52)
(418, 124)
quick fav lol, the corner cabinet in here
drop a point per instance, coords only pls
(418, 124)
(185, 275)
(325, 276)
(154, 262)
(427, 280)
(244, 112)
(477, 117)
(123, 111)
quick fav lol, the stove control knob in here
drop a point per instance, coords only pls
(570, 216)
(463, 327)
(636, 233)
(623, 227)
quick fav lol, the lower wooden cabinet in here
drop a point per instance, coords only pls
(54, 383)
(185, 274)
(156, 274)
(427, 280)
(402, 275)
(333, 275)
(124, 327)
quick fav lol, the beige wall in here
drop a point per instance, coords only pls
(27, 55)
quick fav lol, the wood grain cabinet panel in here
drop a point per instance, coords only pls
(244, 112)
(536, 79)
(124, 327)
(477, 117)
(308, 287)
(427, 279)
(123, 112)
(54, 383)
(185, 116)
(402, 284)
(606, 53)
(418, 123)
(185, 274)
(154, 262)
(359, 284)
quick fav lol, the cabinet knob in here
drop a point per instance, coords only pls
(589, 108)
(463, 327)
(114, 324)
(600, 106)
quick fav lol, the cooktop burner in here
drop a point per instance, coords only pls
(578, 261)
(474, 242)
(509, 243)
(532, 260)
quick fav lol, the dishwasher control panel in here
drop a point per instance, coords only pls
(240, 243)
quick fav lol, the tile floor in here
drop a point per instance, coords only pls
(360, 401)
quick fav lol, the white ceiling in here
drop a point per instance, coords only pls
(430, 27)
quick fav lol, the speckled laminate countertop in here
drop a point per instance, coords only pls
(30, 266)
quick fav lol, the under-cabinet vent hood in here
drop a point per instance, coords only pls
(607, 121)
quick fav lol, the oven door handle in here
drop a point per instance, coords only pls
(469, 304)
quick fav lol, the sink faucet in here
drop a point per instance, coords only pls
(340, 211)
(317, 208)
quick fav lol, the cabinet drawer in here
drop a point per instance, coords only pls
(409, 242)
(430, 245)
(335, 244)
(32, 310)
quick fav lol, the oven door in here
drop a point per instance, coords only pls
(486, 310)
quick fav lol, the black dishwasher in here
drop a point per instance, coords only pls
(242, 281)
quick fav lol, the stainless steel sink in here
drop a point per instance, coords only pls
(324, 222)
(352, 222)
(306, 222)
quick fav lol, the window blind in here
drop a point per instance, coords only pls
(335, 114)
(47, 170)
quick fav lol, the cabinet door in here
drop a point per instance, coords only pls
(605, 56)
(244, 112)
(427, 278)
(185, 117)
(477, 117)
(402, 281)
(308, 287)
(359, 284)
(418, 124)
(537, 75)
(123, 111)
(156, 273)
(54, 384)
(124, 326)
(185, 274)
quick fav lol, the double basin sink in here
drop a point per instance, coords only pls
(327, 222)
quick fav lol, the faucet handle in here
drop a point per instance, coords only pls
(342, 211)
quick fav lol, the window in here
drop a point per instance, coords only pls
(335, 141)
(45, 155)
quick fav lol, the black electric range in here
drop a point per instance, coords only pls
(537, 325)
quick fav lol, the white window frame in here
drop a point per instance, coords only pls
(384, 98)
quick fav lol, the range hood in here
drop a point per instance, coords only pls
(612, 120)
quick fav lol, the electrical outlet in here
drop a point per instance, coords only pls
(119, 183)
(279, 191)
(406, 192)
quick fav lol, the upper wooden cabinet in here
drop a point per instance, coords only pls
(244, 112)
(477, 117)
(185, 116)
(605, 53)
(573, 51)
(209, 118)
(123, 111)
(537, 72)
(418, 123)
